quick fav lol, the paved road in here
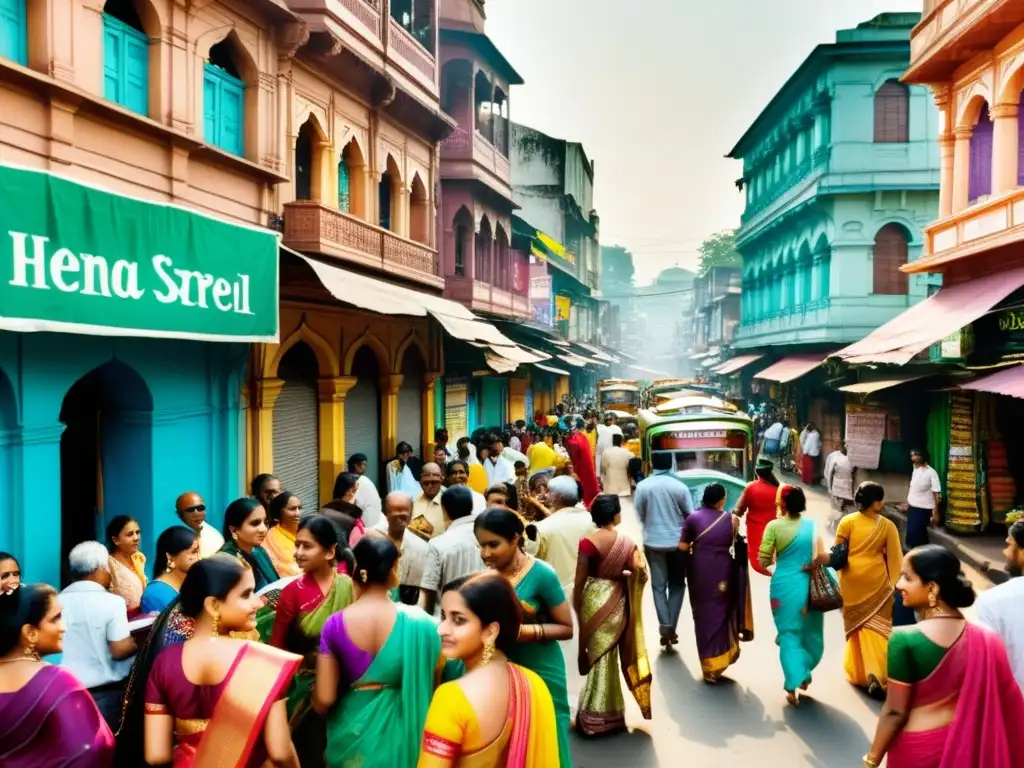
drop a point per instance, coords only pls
(745, 721)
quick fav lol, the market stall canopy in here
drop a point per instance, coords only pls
(867, 387)
(792, 367)
(597, 353)
(731, 366)
(1009, 382)
(552, 369)
(935, 318)
(79, 259)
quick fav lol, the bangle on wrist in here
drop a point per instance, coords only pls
(870, 761)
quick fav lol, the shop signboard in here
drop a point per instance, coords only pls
(541, 310)
(78, 259)
(865, 431)
(954, 347)
(455, 417)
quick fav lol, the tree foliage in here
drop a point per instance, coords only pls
(617, 266)
(719, 250)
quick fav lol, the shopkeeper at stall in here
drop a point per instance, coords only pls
(923, 499)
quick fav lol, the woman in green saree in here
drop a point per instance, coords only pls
(378, 666)
(546, 615)
(303, 608)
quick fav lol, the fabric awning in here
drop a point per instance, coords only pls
(731, 366)
(499, 363)
(792, 367)
(597, 353)
(867, 387)
(1009, 382)
(579, 362)
(700, 355)
(389, 299)
(935, 318)
(551, 369)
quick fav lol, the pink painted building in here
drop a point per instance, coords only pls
(480, 267)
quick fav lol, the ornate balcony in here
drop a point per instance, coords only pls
(312, 227)
(483, 297)
(984, 226)
(463, 145)
(407, 51)
(955, 31)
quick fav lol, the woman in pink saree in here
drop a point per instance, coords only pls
(952, 701)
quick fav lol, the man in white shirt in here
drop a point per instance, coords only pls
(399, 473)
(498, 468)
(427, 515)
(455, 553)
(458, 475)
(923, 500)
(605, 433)
(98, 646)
(615, 468)
(810, 448)
(559, 534)
(773, 438)
(192, 510)
(397, 515)
(1002, 608)
(367, 495)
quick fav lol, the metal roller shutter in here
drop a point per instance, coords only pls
(296, 454)
(362, 426)
(410, 415)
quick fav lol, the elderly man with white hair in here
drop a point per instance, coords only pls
(98, 646)
(559, 534)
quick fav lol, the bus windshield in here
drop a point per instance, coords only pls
(729, 461)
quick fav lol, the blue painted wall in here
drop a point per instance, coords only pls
(171, 421)
(819, 188)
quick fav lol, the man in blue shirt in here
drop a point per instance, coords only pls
(662, 503)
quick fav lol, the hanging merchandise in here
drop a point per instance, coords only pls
(1002, 490)
(962, 512)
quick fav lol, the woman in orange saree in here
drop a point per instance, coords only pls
(610, 578)
(498, 715)
(198, 698)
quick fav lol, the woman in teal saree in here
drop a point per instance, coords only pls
(792, 541)
(378, 666)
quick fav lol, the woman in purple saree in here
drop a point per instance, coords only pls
(718, 579)
(47, 717)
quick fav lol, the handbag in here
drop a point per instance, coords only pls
(840, 556)
(824, 594)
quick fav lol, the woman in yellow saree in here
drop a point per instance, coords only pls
(198, 698)
(610, 576)
(868, 584)
(498, 715)
(283, 516)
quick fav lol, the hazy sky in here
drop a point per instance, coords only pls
(659, 91)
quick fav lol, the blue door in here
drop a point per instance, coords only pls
(12, 31)
(223, 110)
(493, 401)
(125, 65)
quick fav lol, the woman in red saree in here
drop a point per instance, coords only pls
(498, 715)
(582, 460)
(759, 503)
(952, 701)
(210, 700)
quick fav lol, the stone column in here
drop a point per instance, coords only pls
(517, 399)
(961, 168)
(947, 144)
(1004, 148)
(428, 416)
(389, 385)
(267, 392)
(331, 428)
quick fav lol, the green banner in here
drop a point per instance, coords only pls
(77, 259)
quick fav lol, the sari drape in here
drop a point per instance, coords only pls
(761, 501)
(611, 633)
(800, 639)
(985, 731)
(867, 583)
(53, 721)
(280, 546)
(379, 722)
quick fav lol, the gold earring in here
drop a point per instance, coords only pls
(488, 654)
(170, 567)
(30, 652)
(234, 535)
(933, 600)
(216, 625)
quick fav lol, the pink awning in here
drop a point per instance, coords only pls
(935, 318)
(731, 366)
(1009, 382)
(792, 367)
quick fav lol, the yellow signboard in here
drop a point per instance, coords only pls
(562, 306)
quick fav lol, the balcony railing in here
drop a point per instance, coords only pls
(786, 183)
(463, 144)
(484, 297)
(409, 50)
(313, 227)
(367, 12)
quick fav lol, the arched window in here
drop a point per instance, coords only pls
(482, 262)
(13, 31)
(891, 250)
(304, 162)
(419, 212)
(482, 96)
(344, 183)
(463, 228)
(892, 113)
(981, 157)
(223, 100)
(125, 56)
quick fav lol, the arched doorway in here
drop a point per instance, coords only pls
(410, 399)
(295, 433)
(419, 212)
(389, 194)
(106, 454)
(890, 253)
(362, 413)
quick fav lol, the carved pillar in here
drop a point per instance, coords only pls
(428, 415)
(947, 144)
(403, 212)
(324, 181)
(389, 385)
(267, 392)
(961, 168)
(1004, 147)
(331, 419)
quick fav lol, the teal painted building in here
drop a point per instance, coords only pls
(841, 174)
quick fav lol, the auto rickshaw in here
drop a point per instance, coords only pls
(618, 395)
(702, 433)
(664, 391)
